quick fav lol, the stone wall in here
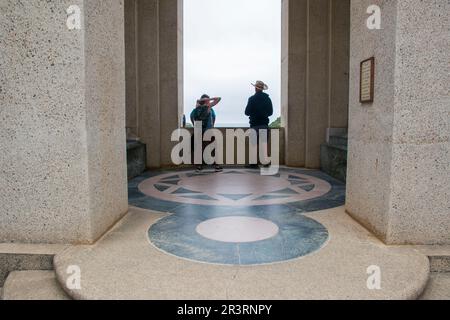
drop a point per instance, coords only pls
(62, 159)
(399, 145)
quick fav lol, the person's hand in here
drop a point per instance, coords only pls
(215, 101)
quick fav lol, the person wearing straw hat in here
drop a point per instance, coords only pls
(259, 108)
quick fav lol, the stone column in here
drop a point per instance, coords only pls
(171, 70)
(157, 45)
(149, 125)
(131, 65)
(398, 175)
(314, 75)
(294, 79)
(62, 138)
(318, 75)
(339, 63)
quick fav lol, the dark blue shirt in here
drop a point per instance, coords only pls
(259, 109)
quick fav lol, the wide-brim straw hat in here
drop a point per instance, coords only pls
(260, 85)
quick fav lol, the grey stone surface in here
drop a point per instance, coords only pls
(420, 200)
(333, 159)
(154, 73)
(399, 145)
(136, 159)
(15, 262)
(33, 285)
(15, 257)
(62, 94)
(438, 287)
(314, 75)
(440, 263)
(124, 265)
(131, 64)
(105, 117)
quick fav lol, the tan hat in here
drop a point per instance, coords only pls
(260, 85)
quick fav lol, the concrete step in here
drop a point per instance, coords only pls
(438, 287)
(22, 257)
(333, 161)
(136, 158)
(339, 140)
(125, 265)
(33, 285)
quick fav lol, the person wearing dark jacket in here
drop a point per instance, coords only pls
(259, 108)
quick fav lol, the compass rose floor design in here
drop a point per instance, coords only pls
(238, 216)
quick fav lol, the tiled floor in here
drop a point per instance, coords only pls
(237, 217)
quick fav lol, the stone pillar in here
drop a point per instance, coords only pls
(63, 164)
(294, 79)
(154, 74)
(399, 152)
(131, 65)
(170, 66)
(314, 73)
(339, 63)
(318, 75)
(149, 125)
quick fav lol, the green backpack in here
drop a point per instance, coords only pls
(202, 113)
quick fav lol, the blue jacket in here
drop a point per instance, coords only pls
(259, 109)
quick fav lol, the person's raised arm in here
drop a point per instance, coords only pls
(215, 101)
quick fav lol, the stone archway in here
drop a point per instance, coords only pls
(315, 62)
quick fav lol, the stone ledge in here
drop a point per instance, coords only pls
(439, 256)
(124, 265)
(20, 257)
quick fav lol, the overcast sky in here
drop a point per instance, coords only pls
(229, 44)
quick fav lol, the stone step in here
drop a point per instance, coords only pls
(438, 287)
(23, 257)
(339, 140)
(136, 158)
(125, 265)
(440, 264)
(439, 256)
(33, 285)
(333, 161)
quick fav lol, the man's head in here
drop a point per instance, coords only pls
(260, 86)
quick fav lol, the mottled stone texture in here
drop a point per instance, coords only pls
(315, 66)
(399, 145)
(63, 174)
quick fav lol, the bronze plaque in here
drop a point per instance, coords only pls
(367, 85)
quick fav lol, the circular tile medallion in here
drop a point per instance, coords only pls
(237, 229)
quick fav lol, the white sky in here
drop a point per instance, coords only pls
(229, 44)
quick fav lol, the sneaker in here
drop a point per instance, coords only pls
(218, 168)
